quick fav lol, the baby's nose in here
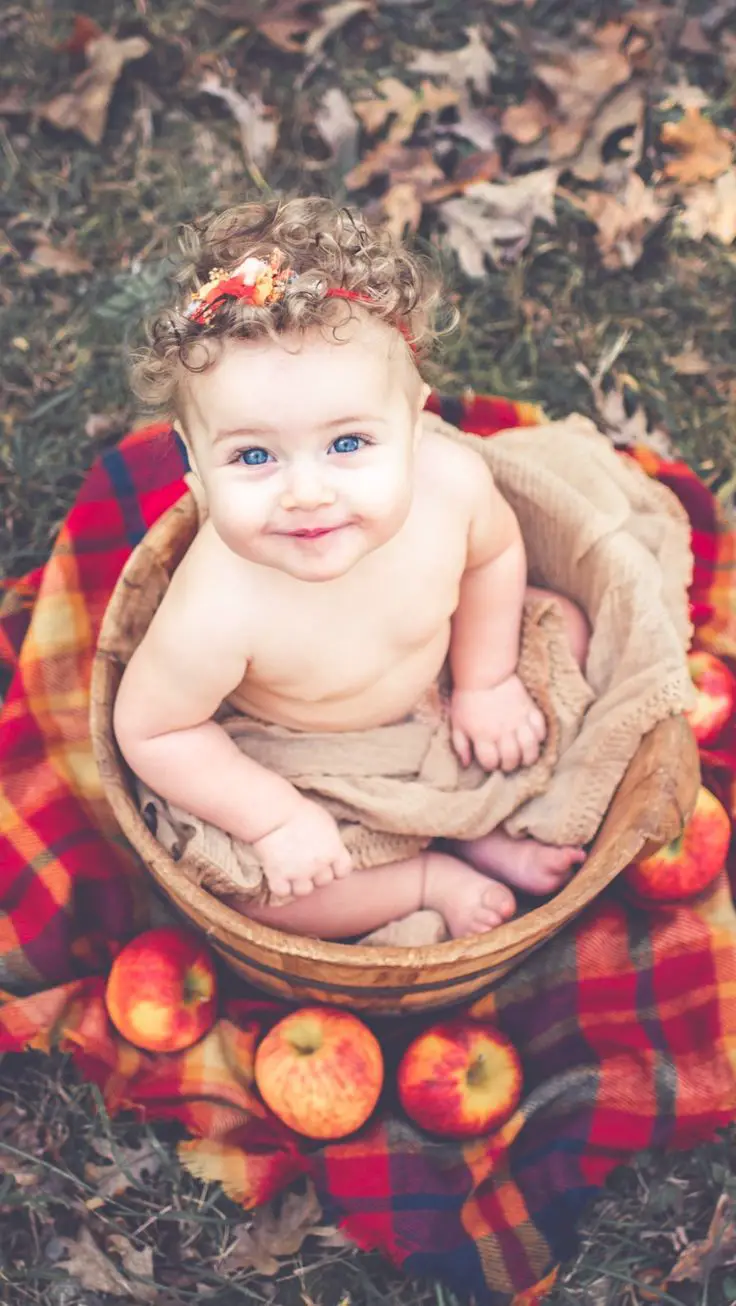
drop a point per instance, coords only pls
(306, 487)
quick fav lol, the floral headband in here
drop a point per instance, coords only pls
(256, 281)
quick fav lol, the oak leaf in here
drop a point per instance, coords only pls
(473, 64)
(85, 106)
(495, 221)
(623, 220)
(337, 124)
(404, 105)
(710, 209)
(704, 150)
(276, 1232)
(87, 1263)
(258, 126)
(580, 80)
(127, 1167)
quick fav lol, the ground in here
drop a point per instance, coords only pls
(84, 229)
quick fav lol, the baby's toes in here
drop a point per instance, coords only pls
(487, 754)
(569, 858)
(499, 900)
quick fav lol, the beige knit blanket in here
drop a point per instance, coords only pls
(597, 529)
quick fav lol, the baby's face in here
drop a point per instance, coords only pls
(306, 451)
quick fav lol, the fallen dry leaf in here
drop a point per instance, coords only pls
(526, 122)
(63, 259)
(580, 80)
(710, 209)
(496, 221)
(689, 362)
(137, 1263)
(623, 116)
(88, 1264)
(13, 104)
(23, 1136)
(398, 162)
(693, 39)
(621, 414)
(127, 1167)
(623, 220)
(285, 23)
(277, 1232)
(482, 165)
(403, 104)
(259, 127)
(338, 126)
(84, 108)
(472, 125)
(718, 1248)
(684, 94)
(331, 19)
(473, 64)
(704, 150)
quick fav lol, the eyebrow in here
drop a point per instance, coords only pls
(261, 431)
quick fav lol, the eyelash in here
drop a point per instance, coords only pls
(365, 443)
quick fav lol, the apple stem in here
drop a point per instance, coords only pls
(477, 1071)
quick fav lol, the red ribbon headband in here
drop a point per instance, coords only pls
(259, 282)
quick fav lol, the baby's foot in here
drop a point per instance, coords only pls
(538, 868)
(469, 902)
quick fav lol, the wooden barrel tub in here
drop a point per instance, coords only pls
(649, 808)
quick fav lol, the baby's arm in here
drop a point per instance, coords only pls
(190, 658)
(491, 708)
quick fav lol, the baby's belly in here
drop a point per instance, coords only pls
(389, 696)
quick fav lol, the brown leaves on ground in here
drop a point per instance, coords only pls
(127, 1167)
(278, 1230)
(698, 1261)
(85, 1261)
(428, 136)
(704, 151)
(84, 107)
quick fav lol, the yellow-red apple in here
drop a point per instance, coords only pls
(460, 1078)
(320, 1070)
(686, 866)
(162, 990)
(715, 702)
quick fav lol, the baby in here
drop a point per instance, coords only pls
(346, 556)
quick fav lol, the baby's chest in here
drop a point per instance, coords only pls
(360, 631)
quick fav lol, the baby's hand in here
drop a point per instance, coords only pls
(305, 852)
(502, 726)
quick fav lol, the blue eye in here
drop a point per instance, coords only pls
(348, 443)
(254, 457)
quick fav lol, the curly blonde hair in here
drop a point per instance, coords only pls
(327, 247)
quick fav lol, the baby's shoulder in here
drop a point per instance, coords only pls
(205, 596)
(453, 466)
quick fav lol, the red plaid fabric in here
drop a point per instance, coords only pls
(625, 1022)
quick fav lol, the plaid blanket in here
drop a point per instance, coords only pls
(626, 1022)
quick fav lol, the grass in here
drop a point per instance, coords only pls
(527, 331)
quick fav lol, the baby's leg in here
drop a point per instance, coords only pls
(470, 903)
(537, 868)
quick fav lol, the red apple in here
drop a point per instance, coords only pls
(162, 990)
(459, 1079)
(320, 1070)
(715, 702)
(688, 864)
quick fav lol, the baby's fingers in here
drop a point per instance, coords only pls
(342, 865)
(461, 745)
(487, 754)
(538, 724)
(301, 888)
(528, 744)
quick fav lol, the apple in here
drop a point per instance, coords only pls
(161, 992)
(320, 1070)
(687, 865)
(460, 1078)
(715, 686)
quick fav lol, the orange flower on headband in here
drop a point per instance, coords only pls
(261, 283)
(255, 280)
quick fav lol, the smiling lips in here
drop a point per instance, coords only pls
(313, 534)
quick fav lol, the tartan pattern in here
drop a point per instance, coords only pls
(626, 1021)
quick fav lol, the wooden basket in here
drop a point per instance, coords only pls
(649, 808)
